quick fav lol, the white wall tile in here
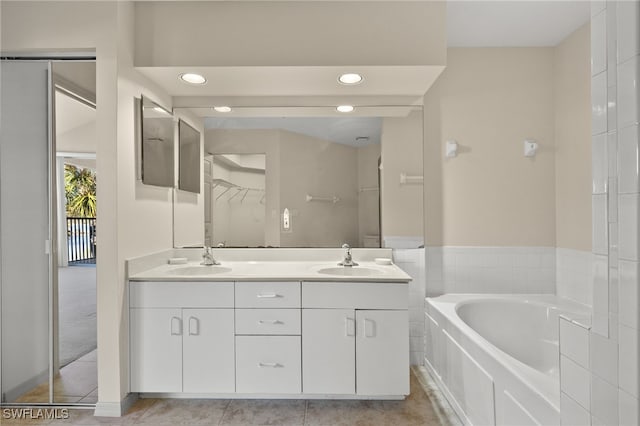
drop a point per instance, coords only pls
(603, 358)
(628, 301)
(612, 149)
(599, 163)
(600, 242)
(628, 86)
(612, 54)
(628, 359)
(627, 410)
(614, 286)
(574, 342)
(628, 209)
(573, 275)
(600, 277)
(628, 35)
(575, 382)
(628, 159)
(612, 105)
(571, 413)
(599, 104)
(599, 43)
(604, 401)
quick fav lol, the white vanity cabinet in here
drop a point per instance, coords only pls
(182, 337)
(268, 358)
(298, 339)
(355, 338)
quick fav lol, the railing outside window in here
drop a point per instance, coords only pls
(81, 239)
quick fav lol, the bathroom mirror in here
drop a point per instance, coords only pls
(336, 178)
(157, 144)
(189, 158)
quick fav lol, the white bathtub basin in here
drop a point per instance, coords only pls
(497, 356)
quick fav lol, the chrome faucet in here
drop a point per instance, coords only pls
(207, 257)
(348, 260)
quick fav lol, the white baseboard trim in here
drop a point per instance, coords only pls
(115, 409)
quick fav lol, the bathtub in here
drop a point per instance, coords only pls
(496, 357)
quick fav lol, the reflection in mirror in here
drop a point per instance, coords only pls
(238, 200)
(189, 158)
(326, 179)
(157, 147)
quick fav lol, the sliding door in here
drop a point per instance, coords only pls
(26, 267)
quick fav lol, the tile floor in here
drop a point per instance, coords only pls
(77, 382)
(418, 408)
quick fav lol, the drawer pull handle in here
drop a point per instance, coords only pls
(195, 329)
(176, 331)
(274, 322)
(270, 365)
(269, 296)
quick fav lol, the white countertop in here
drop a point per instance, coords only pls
(366, 271)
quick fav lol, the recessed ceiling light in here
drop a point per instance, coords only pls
(222, 108)
(350, 78)
(192, 78)
(345, 108)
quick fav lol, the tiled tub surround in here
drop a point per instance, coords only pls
(496, 356)
(530, 270)
(599, 379)
(412, 261)
(270, 325)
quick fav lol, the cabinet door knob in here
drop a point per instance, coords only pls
(194, 326)
(176, 326)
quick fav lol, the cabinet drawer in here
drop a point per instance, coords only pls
(268, 321)
(267, 294)
(342, 295)
(147, 294)
(268, 364)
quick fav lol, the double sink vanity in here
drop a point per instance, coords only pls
(276, 323)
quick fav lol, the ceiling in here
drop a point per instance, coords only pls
(513, 23)
(474, 23)
(340, 130)
(71, 114)
(296, 81)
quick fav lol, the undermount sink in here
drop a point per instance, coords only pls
(199, 270)
(353, 271)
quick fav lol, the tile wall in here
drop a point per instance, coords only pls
(599, 360)
(491, 270)
(573, 275)
(412, 261)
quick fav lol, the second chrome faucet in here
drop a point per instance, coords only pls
(348, 260)
(207, 258)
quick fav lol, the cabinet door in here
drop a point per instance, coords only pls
(328, 345)
(208, 351)
(382, 353)
(156, 350)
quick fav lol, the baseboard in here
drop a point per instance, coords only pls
(26, 386)
(115, 409)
